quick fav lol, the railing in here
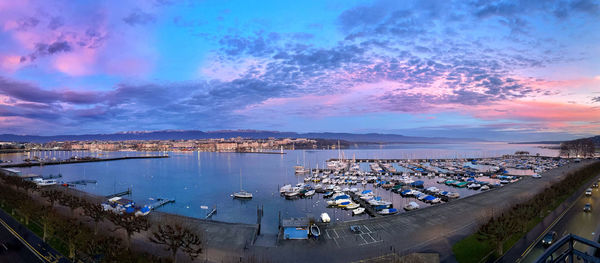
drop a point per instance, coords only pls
(564, 251)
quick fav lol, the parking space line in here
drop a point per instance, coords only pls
(336, 234)
(368, 228)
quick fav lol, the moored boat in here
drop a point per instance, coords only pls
(388, 211)
(358, 211)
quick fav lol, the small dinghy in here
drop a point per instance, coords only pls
(315, 231)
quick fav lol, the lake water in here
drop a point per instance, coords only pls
(198, 179)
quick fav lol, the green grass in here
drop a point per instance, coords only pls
(37, 229)
(471, 250)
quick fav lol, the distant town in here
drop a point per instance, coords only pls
(237, 144)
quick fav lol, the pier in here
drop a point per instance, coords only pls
(128, 192)
(81, 160)
(211, 213)
(160, 202)
(368, 208)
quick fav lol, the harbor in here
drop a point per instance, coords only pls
(264, 175)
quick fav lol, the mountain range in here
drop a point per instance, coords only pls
(250, 134)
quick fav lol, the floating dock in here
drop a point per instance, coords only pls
(211, 213)
(160, 202)
(368, 208)
(128, 192)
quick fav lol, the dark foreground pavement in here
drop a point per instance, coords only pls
(18, 244)
(432, 229)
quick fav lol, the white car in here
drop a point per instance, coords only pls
(588, 192)
(537, 176)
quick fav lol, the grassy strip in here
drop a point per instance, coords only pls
(473, 249)
(37, 229)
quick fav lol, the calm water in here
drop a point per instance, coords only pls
(198, 179)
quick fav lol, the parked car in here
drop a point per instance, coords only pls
(587, 207)
(588, 192)
(355, 229)
(549, 238)
(536, 176)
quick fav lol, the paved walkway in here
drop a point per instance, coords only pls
(23, 245)
(432, 229)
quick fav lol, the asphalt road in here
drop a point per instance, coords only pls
(12, 250)
(18, 244)
(574, 221)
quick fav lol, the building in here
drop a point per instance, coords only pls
(295, 228)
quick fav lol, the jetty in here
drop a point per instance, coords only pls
(79, 160)
(128, 192)
(368, 208)
(211, 213)
(160, 202)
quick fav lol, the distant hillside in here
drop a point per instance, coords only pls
(251, 134)
(595, 139)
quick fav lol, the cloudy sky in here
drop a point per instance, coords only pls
(522, 70)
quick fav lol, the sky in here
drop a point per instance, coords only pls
(495, 70)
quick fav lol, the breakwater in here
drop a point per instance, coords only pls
(82, 160)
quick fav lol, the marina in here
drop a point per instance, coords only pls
(208, 179)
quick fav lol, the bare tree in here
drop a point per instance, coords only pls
(52, 196)
(130, 223)
(177, 237)
(95, 212)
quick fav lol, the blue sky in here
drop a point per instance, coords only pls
(496, 70)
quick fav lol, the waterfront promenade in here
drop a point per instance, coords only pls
(432, 229)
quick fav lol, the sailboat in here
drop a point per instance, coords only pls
(242, 194)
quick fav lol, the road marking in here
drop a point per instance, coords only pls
(547, 229)
(367, 228)
(32, 249)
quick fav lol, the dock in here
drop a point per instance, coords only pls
(81, 160)
(160, 202)
(128, 192)
(211, 213)
(368, 208)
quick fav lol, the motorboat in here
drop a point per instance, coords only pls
(44, 182)
(310, 193)
(474, 186)
(411, 206)
(325, 218)
(388, 211)
(285, 188)
(358, 211)
(485, 187)
(352, 206)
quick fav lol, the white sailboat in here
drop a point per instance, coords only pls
(242, 194)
